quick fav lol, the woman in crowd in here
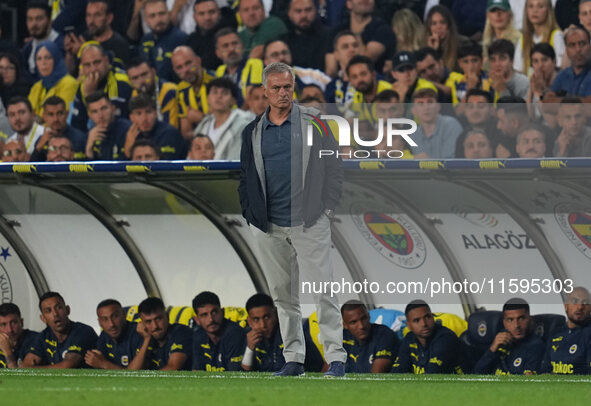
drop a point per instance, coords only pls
(499, 25)
(543, 62)
(442, 34)
(55, 80)
(11, 81)
(539, 25)
(409, 31)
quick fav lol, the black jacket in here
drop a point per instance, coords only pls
(323, 179)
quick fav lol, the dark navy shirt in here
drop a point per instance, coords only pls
(269, 354)
(122, 350)
(76, 137)
(516, 359)
(226, 355)
(158, 50)
(168, 139)
(22, 348)
(178, 339)
(80, 339)
(569, 351)
(440, 355)
(573, 85)
(111, 148)
(382, 342)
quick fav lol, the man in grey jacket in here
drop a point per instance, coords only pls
(288, 193)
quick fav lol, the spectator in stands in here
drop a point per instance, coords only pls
(314, 92)
(11, 79)
(516, 350)
(192, 92)
(106, 140)
(504, 80)
(145, 82)
(574, 80)
(405, 74)
(512, 115)
(475, 145)
(479, 119)
(472, 76)
(157, 46)
(371, 348)
(543, 62)
(145, 125)
(430, 67)
(442, 34)
(575, 138)
(243, 71)
(264, 345)
(15, 151)
(39, 27)
(531, 142)
(436, 135)
(499, 25)
(209, 19)
(568, 349)
(224, 124)
(409, 31)
(64, 342)
(340, 91)
(15, 340)
(181, 14)
(219, 344)
(144, 150)
(307, 38)
(98, 75)
(201, 148)
(22, 120)
(59, 149)
(55, 80)
(256, 100)
(388, 105)
(539, 26)
(425, 341)
(166, 347)
(585, 14)
(119, 341)
(257, 29)
(362, 76)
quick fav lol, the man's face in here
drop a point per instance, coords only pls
(426, 109)
(229, 49)
(357, 322)
(252, 13)
(156, 324)
(516, 322)
(102, 112)
(501, 64)
(12, 326)
(210, 318)
(578, 48)
(531, 144)
(421, 322)
(220, 99)
(201, 149)
(346, 48)
(55, 117)
(207, 15)
(405, 74)
(362, 79)
(93, 61)
(144, 118)
(157, 17)
(477, 146)
(277, 52)
(37, 23)
(257, 101)
(361, 7)
(187, 66)
(313, 92)
(470, 64)
(279, 90)
(578, 306)
(14, 151)
(477, 110)
(142, 78)
(97, 18)
(431, 69)
(263, 320)
(20, 118)
(54, 313)
(507, 124)
(302, 14)
(585, 15)
(59, 149)
(391, 109)
(144, 153)
(112, 320)
(543, 64)
(571, 118)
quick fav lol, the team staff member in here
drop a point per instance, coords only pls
(428, 348)
(218, 345)
(15, 340)
(371, 347)
(515, 351)
(569, 349)
(119, 341)
(106, 140)
(64, 342)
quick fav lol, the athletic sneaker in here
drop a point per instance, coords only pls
(335, 370)
(291, 369)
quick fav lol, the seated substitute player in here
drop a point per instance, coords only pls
(371, 347)
(428, 348)
(515, 350)
(166, 347)
(14, 339)
(119, 341)
(218, 345)
(569, 349)
(64, 342)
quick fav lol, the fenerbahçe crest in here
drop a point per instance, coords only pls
(575, 223)
(393, 236)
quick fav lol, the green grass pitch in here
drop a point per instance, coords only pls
(113, 388)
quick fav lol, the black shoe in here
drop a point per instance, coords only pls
(335, 370)
(291, 369)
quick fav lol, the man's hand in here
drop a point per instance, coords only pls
(253, 338)
(564, 140)
(194, 116)
(95, 359)
(90, 83)
(503, 338)
(143, 331)
(138, 6)
(5, 343)
(72, 43)
(498, 81)
(98, 133)
(130, 138)
(433, 41)
(400, 88)
(48, 134)
(537, 83)
(472, 80)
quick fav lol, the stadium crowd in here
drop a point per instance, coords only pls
(180, 79)
(214, 342)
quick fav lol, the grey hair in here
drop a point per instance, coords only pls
(277, 67)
